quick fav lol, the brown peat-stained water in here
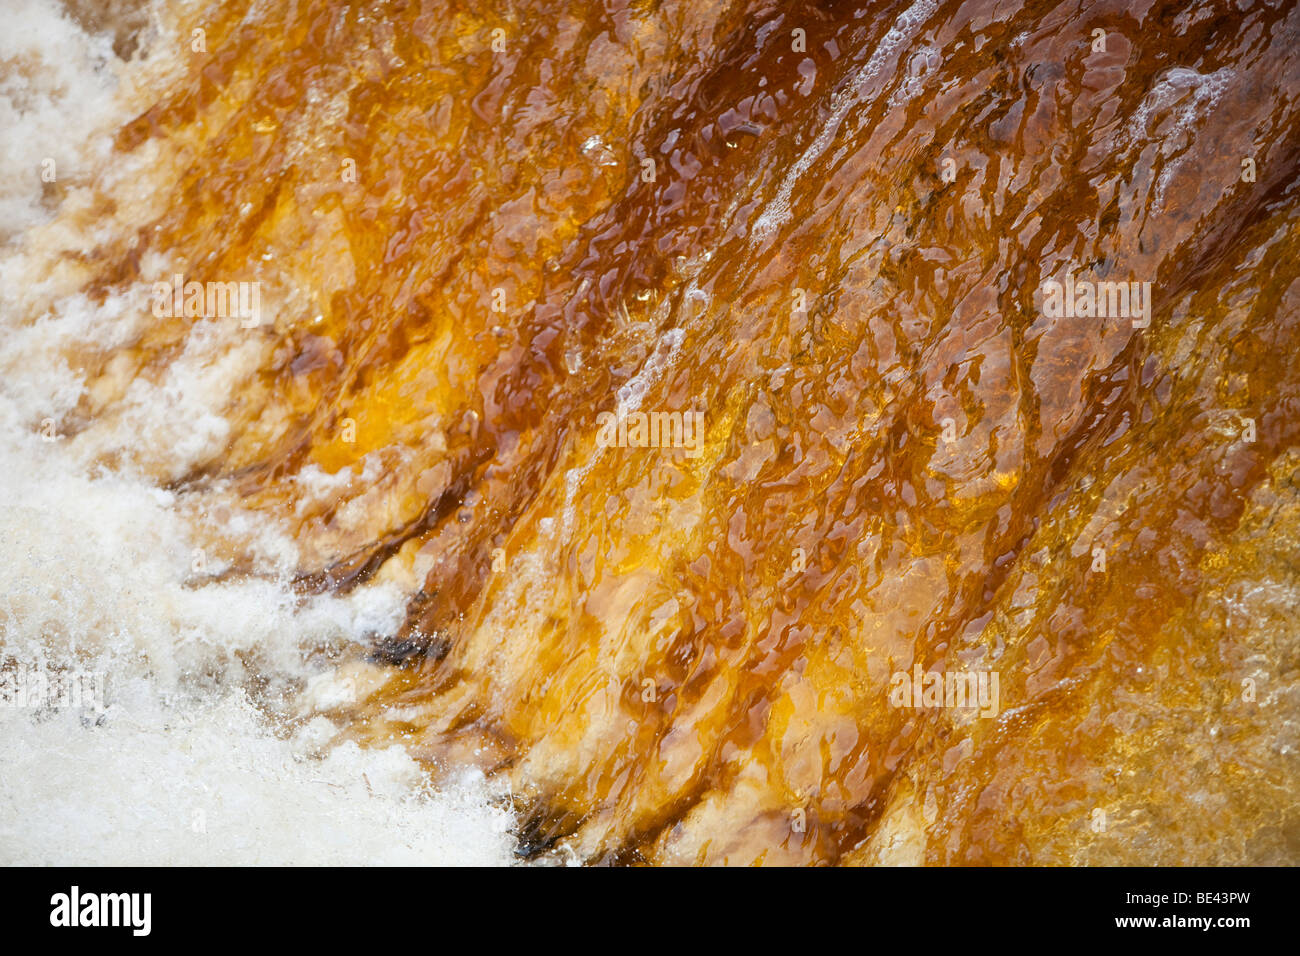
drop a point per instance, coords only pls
(612, 432)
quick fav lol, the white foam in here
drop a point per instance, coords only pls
(1180, 112)
(843, 102)
(55, 82)
(182, 766)
(209, 782)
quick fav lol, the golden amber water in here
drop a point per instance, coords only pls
(478, 228)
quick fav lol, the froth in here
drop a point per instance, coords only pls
(201, 754)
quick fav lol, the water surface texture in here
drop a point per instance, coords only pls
(979, 326)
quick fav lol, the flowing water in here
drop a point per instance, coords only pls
(609, 432)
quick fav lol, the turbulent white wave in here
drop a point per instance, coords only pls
(194, 753)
